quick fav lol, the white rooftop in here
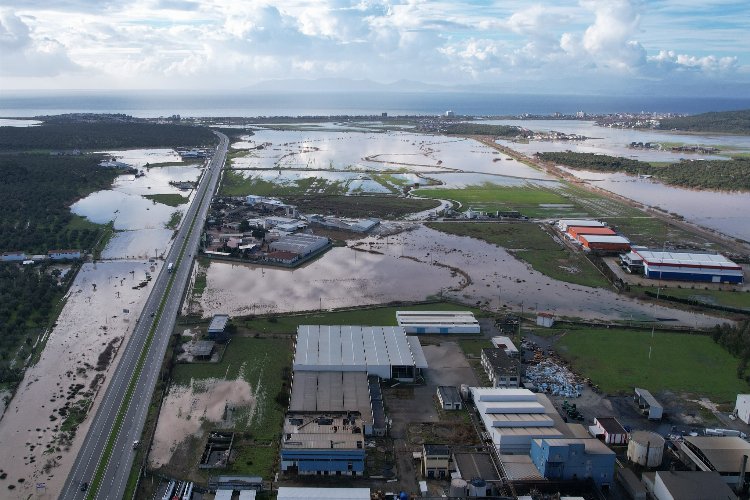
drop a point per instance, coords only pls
(601, 238)
(436, 318)
(290, 493)
(580, 223)
(672, 258)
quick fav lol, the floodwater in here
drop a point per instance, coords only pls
(462, 180)
(128, 211)
(91, 319)
(350, 182)
(321, 150)
(185, 409)
(614, 141)
(410, 266)
(139, 244)
(726, 212)
(340, 278)
(140, 157)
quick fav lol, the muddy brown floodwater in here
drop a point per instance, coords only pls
(412, 265)
(74, 367)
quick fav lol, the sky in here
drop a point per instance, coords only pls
(689, 47)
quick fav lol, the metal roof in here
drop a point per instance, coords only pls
(358, 348)
(611, 425)
(202, 348)
(724, 454)
(452, 318)
(695, 485)
(676, 258)
(289, 493)
(247, 494)
(218, 323)
(647, 397)
(591, 445)
(520, 468)
(449, 394)
(335, 392)
(595, 238)
(472, 465)
(580, 223)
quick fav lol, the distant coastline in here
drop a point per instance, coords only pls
(249, 103)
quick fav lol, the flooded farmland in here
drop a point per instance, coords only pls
(80, 353)
(412, 265)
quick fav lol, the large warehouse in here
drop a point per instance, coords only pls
(675, 265)
(575, 231)
(564, 224)
(604, 243)
(420, 322)
(385, 351)
(300, 243)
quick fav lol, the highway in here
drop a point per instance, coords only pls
(118, 466)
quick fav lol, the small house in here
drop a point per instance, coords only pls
(449, 398)
(609, 430)
(435, 461)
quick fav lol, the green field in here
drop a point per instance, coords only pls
(381, 316)
(262, 362)
(171, 199)
(530, 243)
(618, 360)
(714, 297)
(235, 183)
(490, 197)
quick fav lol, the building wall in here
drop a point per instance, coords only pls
(570, 461)
(435, 466)
(713, 275)
(500, 380)
(324, 462)
(743, 407)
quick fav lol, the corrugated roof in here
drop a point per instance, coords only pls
(675, 258)
(420, 361)
(218, 323)
(472, 465)
(595, 238)
(696, 485)
(645, 394)
(723, 453)
(290, 493)
(520, 468)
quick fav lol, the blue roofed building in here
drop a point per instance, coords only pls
(569, 459)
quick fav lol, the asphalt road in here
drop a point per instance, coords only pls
(119, 465)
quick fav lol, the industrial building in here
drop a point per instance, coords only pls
(420, 322)
(726, 455)
(607, 244)
(502, 370)
(564, 224)
(476, 465)
(217, 329)
(384, 351)
(512, 418)
(647, 404)
(576, 231)
(742, 408)
(631, 262)
(436, 460)
(566, 459)
(609, 430)
(687, 266)
(449, 398)
(301, 244)
(64, 254)
(687, 485)
(12, 257)
(507, 345)
(291, 493)
(646, 448)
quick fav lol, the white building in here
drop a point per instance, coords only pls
(742, 408)
(384, 351)
(292, 493)
(563, 224)
(507, 345)
(420, 322)
(512, 418)
(302, 244)
(64, 254)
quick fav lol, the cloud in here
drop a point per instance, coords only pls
(671, 61)
(22, 55)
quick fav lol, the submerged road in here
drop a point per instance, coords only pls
(115, 471)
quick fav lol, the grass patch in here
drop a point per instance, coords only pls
(531, 243)
(381, 316)
(618, 360)
(473, 347)
(728, 298)
(254, 459)
(490, 197)
(262, 361)
(171, 199)
(174, 220)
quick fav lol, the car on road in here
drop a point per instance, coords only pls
(84, 486)
(135, 444)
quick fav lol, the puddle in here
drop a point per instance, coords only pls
(186, 409)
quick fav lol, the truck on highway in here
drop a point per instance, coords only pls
(170, 266)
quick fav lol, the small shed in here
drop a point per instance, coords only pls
(449, 397)
(217, 329)
(435, 461)
(545, 319)
(648, 404)
(609, 430)
(203, 350)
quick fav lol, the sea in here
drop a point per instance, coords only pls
(152, 104)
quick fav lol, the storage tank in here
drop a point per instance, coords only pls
(477, 488)
(465, 393)
(646, 448)
(458, 487)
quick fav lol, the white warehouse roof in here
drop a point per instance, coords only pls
(600, 238)
(374, 349)
(289, 493)
(564, 223)
(438, 321)
(686, 259)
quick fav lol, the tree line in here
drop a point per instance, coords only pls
(732, 122)
(736, 340)
(468, 128)
(730, 175)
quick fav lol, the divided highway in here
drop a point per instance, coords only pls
(116, 464)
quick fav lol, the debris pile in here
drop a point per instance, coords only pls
(548, 376)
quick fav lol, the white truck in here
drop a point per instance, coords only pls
(170, 267)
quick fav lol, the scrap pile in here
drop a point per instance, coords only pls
(555, 379)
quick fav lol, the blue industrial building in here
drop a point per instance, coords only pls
(566, 459)
(685, 266)
(324, 462)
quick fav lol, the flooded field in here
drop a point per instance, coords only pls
(139, 158)
(410, 266)
(139, 244)
(614, 141)
(74, 367)
(186, 409)
(343, 277)
(725, 212)
(321, 150)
